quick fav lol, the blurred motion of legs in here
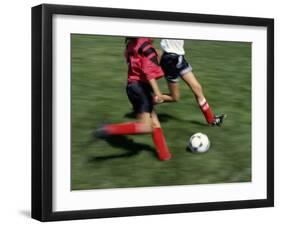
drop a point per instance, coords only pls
(147, 123)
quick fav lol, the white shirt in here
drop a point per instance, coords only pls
(173, 46)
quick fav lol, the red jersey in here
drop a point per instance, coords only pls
(142, 60)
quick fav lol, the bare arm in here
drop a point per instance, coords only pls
(156, 91)
(155, 87)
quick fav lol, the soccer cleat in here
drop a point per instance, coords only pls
(101, 132)
(218, 120)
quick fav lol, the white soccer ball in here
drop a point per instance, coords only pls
(199, 143)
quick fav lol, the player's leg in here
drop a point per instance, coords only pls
(159, 138)
(173, 95)
(168, 63)
(142, 125)
(140, 97)
(174, 91)
(142, 106)
(190, 79)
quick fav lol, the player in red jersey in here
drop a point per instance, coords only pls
(143, 71)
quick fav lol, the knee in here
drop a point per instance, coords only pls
(146, 127)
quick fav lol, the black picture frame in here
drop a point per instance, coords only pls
(42, 106)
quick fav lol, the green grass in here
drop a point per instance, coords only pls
(99, 76)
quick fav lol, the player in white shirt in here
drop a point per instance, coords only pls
(175, 66)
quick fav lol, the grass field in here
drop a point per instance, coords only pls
(99, 76)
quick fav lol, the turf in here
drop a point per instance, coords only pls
(99, 76)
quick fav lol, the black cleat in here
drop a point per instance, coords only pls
(218, 121)
(100, 133)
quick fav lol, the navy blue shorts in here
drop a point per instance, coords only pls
(174, 66)
(140, 96)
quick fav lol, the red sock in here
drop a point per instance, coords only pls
(207, 111)
(124, 128)
(160, 144)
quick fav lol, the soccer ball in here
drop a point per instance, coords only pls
(199, 143)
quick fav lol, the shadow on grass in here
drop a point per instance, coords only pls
(163, 117)
(131, 147)
(197, 123)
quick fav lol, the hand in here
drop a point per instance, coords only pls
(158, 99)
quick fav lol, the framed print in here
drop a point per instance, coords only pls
(146, 112)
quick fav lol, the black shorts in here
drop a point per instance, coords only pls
(140, 96)
(174, 66)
